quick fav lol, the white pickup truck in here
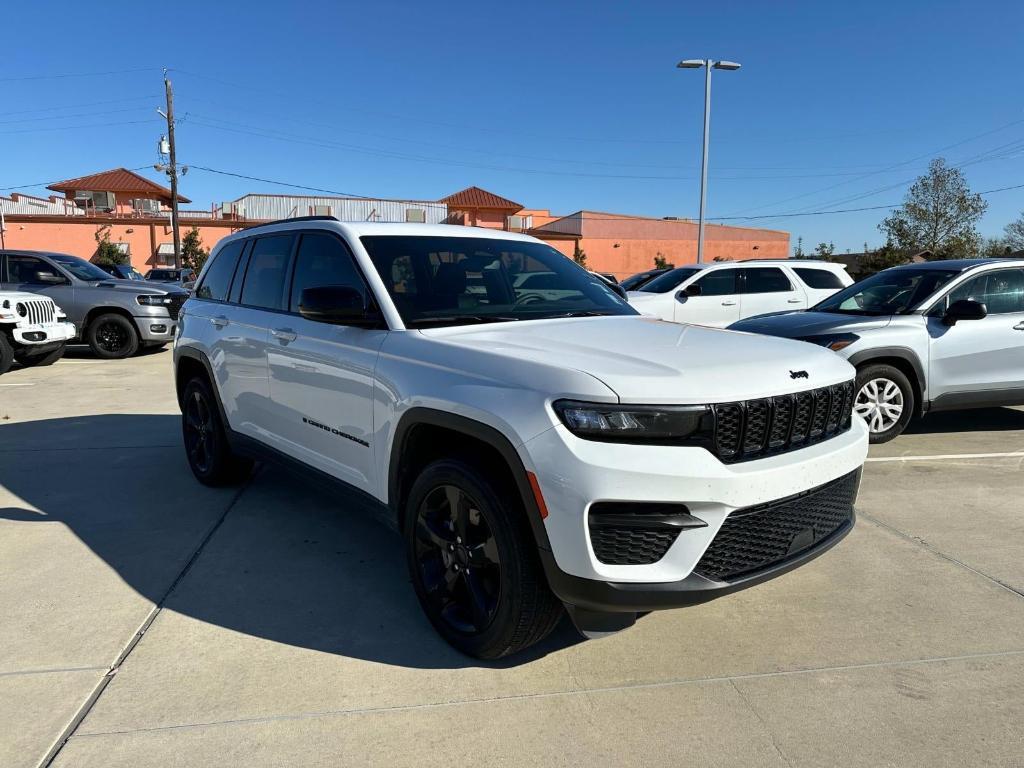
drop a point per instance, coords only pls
(33, 330)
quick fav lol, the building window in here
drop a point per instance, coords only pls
(146, 206)
(97, 201)
(415, 216)
(322, 210)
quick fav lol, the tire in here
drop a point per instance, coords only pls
(881, 390)
(38, 361)
(6, 354)
(487, 551)
(207, 449)
(112, 337)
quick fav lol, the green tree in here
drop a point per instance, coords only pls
(579, 255)
(882, 258)
(106, 251)
(939, 214)
(825, 250)
(193, 255)
(660, 262)
(1014, 233)
(996, 246)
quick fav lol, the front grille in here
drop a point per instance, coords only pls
(39, 311)
(755, 428)
(756, 538)
(174, 305)
(631, 546)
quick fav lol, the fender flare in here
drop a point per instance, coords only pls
(902, 353)
(419, 416)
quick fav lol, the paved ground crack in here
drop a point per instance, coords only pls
(767, 728)
(93, 697)
(937, 552)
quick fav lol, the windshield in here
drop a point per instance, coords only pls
(438, 281)
(80, 268)
(891, 292)
(669, 280)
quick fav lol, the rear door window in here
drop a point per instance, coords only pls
(819, 278)
(264, 281)
(217, 280)
(766, 280)
(323, 260)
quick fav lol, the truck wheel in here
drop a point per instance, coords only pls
(206, 446)
(25, 358)
(474, 563)
(112, 336)
(885, 400)
(6, 354)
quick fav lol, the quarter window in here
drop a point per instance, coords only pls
(218, 276)
(721, 282)
(321, 261)
(1002, 291)
(818, 278)
(264, 277)
(766, 280)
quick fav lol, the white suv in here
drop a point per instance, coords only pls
(719, 294)
(535, 449)
(33, 330)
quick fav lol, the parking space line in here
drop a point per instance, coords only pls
(53, 670)
(947, 456)
(679, 682)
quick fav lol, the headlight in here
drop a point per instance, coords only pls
(631, 423)
(154, 300)
(835, 341)
(21, 309)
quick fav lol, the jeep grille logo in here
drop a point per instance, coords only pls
(798, 374)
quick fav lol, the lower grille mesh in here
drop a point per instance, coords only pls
(756, 538)
(631, 546)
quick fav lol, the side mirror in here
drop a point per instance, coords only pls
(694, 289)
(619, 290)
(964, 309)
(48, 278)
(337, 305)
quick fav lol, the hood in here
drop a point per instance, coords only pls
(644, 360)
(793, 325)
(646, 302)
(137, 286)
(22, 296)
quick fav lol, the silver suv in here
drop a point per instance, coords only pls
(937, 336)
(114, 317)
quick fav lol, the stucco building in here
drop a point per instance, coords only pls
(134, 212)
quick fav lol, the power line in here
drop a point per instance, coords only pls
(68, 117)
(55, 181)
(65, 75)
(77, 106)
(279, 183)
(74, 127)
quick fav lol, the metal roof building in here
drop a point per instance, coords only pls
(271, 207)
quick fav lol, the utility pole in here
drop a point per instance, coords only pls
(172, 168)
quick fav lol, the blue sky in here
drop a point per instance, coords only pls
(561, 105)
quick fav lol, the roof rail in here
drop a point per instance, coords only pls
(289, 221)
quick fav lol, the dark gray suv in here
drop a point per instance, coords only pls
(114, 317)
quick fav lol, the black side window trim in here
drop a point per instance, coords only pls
(295, 258)
(741, 281)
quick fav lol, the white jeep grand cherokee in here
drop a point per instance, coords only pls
(536, 450)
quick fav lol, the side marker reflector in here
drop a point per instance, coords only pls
(537, 495)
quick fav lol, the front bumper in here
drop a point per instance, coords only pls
(574, 474)
(48, 334)
(155, 328)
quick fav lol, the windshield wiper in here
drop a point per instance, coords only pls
(577, 313)
(460, 320)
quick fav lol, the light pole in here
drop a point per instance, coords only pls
(708, 65)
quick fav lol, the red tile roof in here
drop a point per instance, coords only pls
(117, 180)
(474, 197)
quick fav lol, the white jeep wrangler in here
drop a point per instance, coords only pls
(33, 330)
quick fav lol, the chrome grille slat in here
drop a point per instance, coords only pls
(754, 428)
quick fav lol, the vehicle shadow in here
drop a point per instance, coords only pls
(291, 562)
(975, 420)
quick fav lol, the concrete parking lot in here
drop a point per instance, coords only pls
(148, 621)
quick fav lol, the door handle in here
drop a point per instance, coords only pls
(728, 303)
(1019, 327)
(792, 301)
(219, 321)
(284, 335)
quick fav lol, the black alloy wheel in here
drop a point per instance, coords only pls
(199, 429)
(457, 556)
(112, 336)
